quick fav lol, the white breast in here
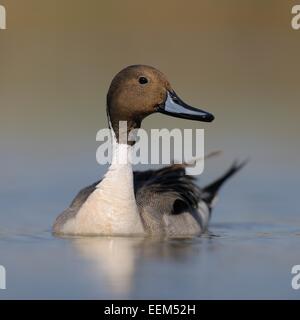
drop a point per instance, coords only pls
(111, 209)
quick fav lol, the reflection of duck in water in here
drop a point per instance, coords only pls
(112, 260)
(116, 262)
(161, 202)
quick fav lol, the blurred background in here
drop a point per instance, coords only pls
(238, 59)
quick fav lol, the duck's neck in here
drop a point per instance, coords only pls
(117, 190)
(121, 153)
(123, 130)
(123, 134)
(111, 208)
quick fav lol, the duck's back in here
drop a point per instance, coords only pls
(168, 200)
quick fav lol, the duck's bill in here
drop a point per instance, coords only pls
(175, 107)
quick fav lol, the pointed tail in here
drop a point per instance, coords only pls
(210, 191)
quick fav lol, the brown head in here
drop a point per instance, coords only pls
(138, 91)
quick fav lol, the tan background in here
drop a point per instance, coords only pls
(239, 59)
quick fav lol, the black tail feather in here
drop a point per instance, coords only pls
(210, 191)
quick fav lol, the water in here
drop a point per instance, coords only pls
(239, 60)
(237, 261)
(252, 244)
(248, 252)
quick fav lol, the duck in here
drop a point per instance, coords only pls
(163, 202)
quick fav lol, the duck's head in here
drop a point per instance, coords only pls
(138, 91)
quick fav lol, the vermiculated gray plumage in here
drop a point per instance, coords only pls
(169, 201)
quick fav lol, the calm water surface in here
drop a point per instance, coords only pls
(252, 244)
(241, 261)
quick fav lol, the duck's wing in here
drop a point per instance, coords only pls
(170, 202)
(168, 199)
(171, 179)
(160, 195)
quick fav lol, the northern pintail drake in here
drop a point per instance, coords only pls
(164, 202)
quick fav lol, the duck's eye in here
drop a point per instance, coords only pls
(143, 80)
